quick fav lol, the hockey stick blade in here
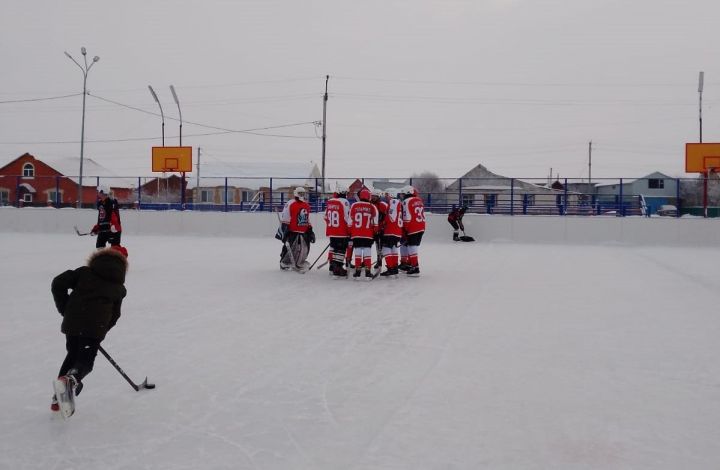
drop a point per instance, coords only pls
(146, 385)
(80, 234)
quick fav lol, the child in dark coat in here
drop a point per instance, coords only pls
(89, 311)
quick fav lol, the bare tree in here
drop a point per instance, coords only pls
(428, 182)
(691, 191)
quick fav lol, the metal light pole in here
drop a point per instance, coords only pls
(324, 134)
(182, 183)
(84, 71)
(177, 102)
(701, 79)
(162, 115)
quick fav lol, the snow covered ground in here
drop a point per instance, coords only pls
(500, 356)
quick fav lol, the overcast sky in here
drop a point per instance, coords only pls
(520, 86)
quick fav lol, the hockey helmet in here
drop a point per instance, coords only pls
(299, 193)
(341, 190)
(378, 193)
(409, 191)
(104, 189)
(364, 194)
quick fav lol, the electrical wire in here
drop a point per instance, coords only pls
(28, 100)
(253, 131)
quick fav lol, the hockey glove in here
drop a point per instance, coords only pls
(285, 228)
(310, 235)
(95, 229)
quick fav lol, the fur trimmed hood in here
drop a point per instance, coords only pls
(109, 264)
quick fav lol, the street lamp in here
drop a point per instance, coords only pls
(162, 115)
(177, 102)
(84, 71)
(182, 184)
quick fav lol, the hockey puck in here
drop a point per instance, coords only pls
(149, 385)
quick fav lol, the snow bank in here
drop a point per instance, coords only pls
(485, 228)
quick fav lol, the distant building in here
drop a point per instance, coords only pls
(29, 181)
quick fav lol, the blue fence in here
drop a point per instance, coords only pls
(496, 195)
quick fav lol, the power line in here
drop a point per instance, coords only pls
(28, 100)
(224, 130)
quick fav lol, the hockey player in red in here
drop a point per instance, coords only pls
(108, 228)
(392, 233)
(363, 227)
(414, 225)
(297, 232)
(382, 207)
(337, 229)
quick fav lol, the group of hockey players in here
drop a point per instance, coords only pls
(394, 224)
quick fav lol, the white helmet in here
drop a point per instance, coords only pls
(103, 188)
(341, 190)
(378, 192)
(299, 193)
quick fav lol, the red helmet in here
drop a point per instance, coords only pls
(364, 194)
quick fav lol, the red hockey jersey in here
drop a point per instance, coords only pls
(363, 220)
(393, 218)
(297, 215)
(413, 215)
(337, 217)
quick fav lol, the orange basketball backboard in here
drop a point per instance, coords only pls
(700, 158)
(176, 159)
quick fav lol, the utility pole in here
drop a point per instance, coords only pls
(197, 184)
(590, 166)
(701, 79)
(324, 134)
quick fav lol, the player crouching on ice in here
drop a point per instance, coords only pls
(89, 311)
(296, 233)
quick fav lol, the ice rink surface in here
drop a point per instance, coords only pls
(500, 356)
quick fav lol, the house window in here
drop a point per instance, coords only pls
(28, 170)
(655, 183)
(206, 195)
(246, 196)
(27, 197)
(229, 194)
(53, 196)
(468, 199)
(4, 197)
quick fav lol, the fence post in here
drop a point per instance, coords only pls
(17, 191)
(58, 199)
(512, 196)
(621, 209)
(139, 194)
(460, 193)
(677, 196)
(226, 194)
(270, 206)
(565, 199)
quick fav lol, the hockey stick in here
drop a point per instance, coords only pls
(81, 234)
(316, 260)
(137, 388)
(466, 238)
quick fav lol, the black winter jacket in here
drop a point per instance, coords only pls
(97, 291)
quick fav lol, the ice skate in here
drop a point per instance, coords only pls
(414, 271)
(65, 393)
